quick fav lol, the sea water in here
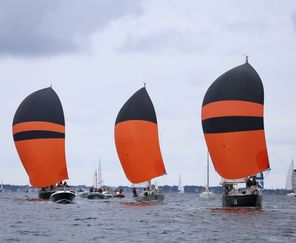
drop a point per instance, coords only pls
(181, 218)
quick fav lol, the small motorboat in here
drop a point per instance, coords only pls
(62, 196)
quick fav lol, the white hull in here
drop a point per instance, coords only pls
(291, 194)
(207, 195)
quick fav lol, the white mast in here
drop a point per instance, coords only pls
(100, 180)
(207, 194)
(95, 183)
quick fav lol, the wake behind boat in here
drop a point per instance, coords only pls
(232, 121)
(137, 144)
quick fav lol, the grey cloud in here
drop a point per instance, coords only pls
(166, 40)
(37, 28)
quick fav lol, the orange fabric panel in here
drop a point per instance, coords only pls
(45, 126)
(138, 150)
(231, 108)
(44, 160)
(238, 154)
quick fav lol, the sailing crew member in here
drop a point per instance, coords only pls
(135, 194)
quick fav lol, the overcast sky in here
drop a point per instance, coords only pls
(96, 54)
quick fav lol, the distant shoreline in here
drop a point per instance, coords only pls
(166, 188)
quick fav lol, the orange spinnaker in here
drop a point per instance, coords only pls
(138, 149)
(44, 160)
(238, 154)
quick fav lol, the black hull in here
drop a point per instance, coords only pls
(45, 194)
(243, 200)
(96, 195)
(63, 197)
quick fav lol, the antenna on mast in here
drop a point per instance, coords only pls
(247, 59)
(145, 85)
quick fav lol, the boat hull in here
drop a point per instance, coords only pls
(291, 194)
(82, 194)
(207, 195)
(150, 198)
(45, 194)
(119, 195)
(95, 195)
(63, 197)
(244, 200)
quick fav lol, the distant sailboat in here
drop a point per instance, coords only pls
(39, 136)
(97, 190)
(232, 120)
(1, 187)
(291, 181)
(206, 193)
(137, 144)
(180, 185)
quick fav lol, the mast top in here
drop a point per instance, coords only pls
(247, 59)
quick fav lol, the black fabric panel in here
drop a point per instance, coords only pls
(37, 134)
(42, 105)
(232, 124)
(138, 107)
(240, 83)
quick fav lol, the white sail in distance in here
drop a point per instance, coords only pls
(289, 176)
(180, 185)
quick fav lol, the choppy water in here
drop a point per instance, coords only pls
(181, 218)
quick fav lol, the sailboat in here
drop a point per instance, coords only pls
(137, 144)
(206, 193)
(97, 189)
(232, 121)
(39, 136)
(291, 181)
(1, 187)
(180, 185)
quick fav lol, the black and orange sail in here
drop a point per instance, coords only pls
(39, 136)
(232, 121)
(136, 139)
